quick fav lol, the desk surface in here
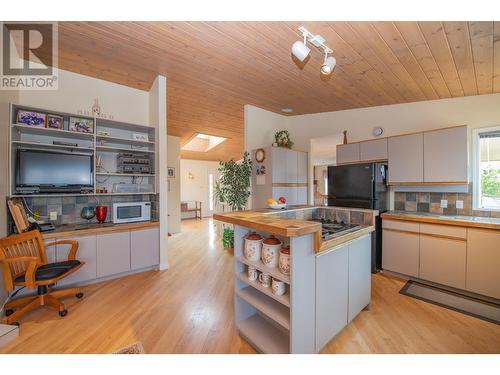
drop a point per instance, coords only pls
(75, 230)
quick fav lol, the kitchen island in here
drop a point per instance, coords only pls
(329, 281)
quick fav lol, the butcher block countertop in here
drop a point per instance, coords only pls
(264, 220)
(457, 220)
(75, 230)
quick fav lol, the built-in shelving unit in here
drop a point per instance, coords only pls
(274, 272)
(108, 139)
(283, 299)
(264, 335)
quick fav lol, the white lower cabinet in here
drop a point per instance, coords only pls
(442, 260)
(360, 280)
(483, 262)
(144, 248)
(400, 252)
(113, 253)
(87, 252)
(331, 294)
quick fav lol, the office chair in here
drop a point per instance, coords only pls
(24, 261)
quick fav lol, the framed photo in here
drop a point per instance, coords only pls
(81, 125)
(170, 172)
(31, 118)
(55, 122)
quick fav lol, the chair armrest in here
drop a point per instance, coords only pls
(29, 276)
(72, 251)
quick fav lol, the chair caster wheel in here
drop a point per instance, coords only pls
(9, 312)
(79, 295)
(63, 313)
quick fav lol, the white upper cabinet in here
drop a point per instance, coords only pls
(291, 166)
(375, 149)
(302, 167)
(406, 159)
(279, 164)
(445, 155)
(348, 153)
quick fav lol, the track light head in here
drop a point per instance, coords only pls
(300, 50)
(328, 65)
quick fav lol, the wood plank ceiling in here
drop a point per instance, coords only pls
(214, 68)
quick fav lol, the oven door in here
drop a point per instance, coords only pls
(131, 212)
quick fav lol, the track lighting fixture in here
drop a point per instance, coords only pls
(300, 50)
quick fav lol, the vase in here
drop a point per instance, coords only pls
(87, 213)
(101, 212)
(345, 137)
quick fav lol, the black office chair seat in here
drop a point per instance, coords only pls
(51, 270)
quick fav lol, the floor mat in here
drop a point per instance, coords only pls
(467, 305)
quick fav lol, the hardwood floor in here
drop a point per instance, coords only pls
(189, 309)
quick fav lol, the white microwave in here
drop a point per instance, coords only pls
(131, 212)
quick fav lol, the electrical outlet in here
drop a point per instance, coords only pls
(53, 215)
(444, 203)
(459, 204)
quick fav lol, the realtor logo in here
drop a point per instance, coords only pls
(29, 56)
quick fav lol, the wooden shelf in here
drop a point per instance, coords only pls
(50, 146)
(264, 336)
(49, 131)
(138, 193)
(274, 272)
(124, 174)
(266, 305)
(112, 139)
(122, 149)
(283, 299)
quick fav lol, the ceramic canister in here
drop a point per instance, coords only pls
(271, 247)
(253, 244)
(284, 261)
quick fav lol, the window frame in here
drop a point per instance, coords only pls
(476, 176)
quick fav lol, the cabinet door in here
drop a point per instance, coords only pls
(442, 260)
(483, 262)
(113, 253)
(406, 158)
(359, 276)
(87, 252)
(291, 166)
(279, 173)
(144, 248)
(373, 150)
(348, 153)
(445, 155)
(400, 252)
(302, 163)
(331, 294)
(301, 195)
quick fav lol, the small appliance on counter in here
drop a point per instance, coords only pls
(131, 212)
(361, 186)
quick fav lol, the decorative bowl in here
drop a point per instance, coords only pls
(277, 206)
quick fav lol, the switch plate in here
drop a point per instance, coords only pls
(53, 216)
(444, 203)
(460, 204)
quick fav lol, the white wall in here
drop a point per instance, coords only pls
(260, 127)
(77, 92)
(197, 188)
(174, 184)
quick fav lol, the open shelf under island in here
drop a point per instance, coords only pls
(328, 286)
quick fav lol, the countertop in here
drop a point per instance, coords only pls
(263, 219)
(457, 220)
(72, 230)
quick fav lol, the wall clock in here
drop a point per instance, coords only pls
(260, 155)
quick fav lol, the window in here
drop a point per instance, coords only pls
(203, 142)
(487, 169)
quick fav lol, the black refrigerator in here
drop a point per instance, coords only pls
(361, 186)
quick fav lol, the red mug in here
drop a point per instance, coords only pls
(100, 213)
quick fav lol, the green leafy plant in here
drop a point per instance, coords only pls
(282, 139)
(228, 238)
(490, 182)
(233, 187)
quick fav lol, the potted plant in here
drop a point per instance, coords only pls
(233, 189)
(282, 139)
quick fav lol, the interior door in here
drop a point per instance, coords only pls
(213, 176)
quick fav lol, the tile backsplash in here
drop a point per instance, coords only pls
(69, 208)
(431, 202)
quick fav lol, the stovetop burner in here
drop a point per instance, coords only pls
(334, 228)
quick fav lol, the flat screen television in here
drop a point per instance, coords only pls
(49, 171)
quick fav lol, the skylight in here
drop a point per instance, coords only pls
(203, 142)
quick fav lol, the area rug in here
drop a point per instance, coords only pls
(464, 304)
(136, 348)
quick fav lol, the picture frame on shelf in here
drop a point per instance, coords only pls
(170, 172)
(55, 122)
(81, 125)
(31, 118)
